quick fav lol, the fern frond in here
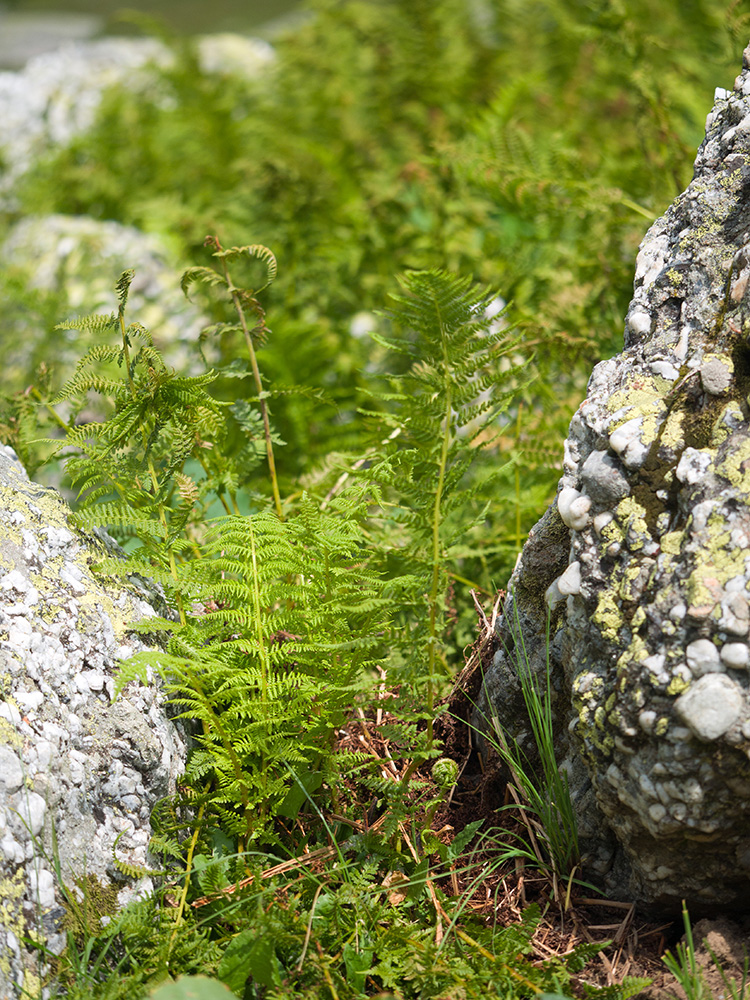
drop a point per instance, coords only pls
(90, 324)
(258, 252)
(123, 287)
(118, 514)
(127, 868)
(206, 275)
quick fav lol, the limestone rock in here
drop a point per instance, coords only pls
(72, 759)
(650, 590)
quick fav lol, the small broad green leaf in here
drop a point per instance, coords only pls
(306, 783)
(463, 838)
(418, 880)
(264, 966)
(234, 967)
(358, 964)
(192, 988)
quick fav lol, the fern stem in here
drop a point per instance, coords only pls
(186, 887)
(263, 653)
(259, 387)
(195, 682)
(51, 410)
(518, 480)
(436, 524)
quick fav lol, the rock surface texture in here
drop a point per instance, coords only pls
(644, 560)
(72, 759)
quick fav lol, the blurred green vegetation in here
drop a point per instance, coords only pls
(525, 144)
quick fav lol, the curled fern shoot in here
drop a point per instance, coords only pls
(242, 299)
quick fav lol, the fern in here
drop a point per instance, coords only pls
(130, 468)
(129, 869)
(452, 394)
(271, 672)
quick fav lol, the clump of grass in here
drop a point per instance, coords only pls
(540, 792)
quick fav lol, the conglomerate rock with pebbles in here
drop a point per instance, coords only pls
(80, 770)
(644, 561)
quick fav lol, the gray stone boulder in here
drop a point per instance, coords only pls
(78, 769)
(644, 562)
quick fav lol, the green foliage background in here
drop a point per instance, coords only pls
(524, 144)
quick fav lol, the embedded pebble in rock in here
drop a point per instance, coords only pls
(711, 706)
(627, 442)
(574, 509)
(648, 593)
(716, 375)
(71, 759)
(603, 479)
(570, 582)
(735, 655)
(703, 657)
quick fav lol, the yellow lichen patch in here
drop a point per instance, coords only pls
(627, 593)
(636, 652)
(639, 617)
(698, 234)
(608, 616)
(722, 427)
(673, 433)
(719, 563)
(697, 590)
(639, 391)
(661, 726)
(11, 917)
(651, 415)
(615, 720)
(47, 504)
(677, 685)
(611, 534)
(629, 510)
(671, 542)
(632, 517)
(735, 467)
(32, 984)
(121, 618)
(9, 736)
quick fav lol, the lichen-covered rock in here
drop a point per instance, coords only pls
(78, 769)
(644, 560)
